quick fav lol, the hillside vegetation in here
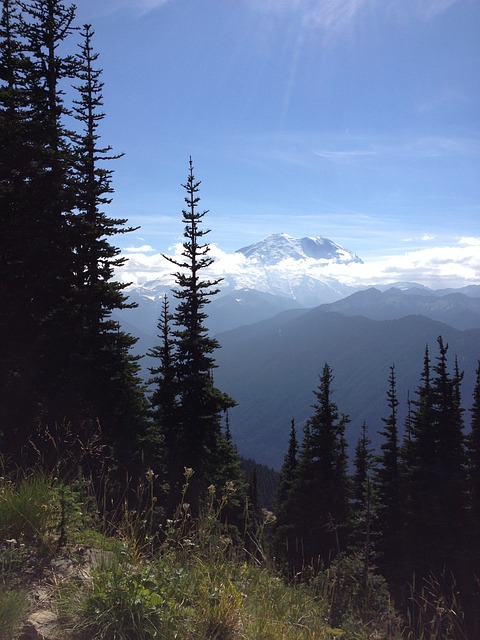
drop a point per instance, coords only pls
(126, 579)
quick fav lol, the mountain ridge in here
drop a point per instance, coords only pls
(274, 378)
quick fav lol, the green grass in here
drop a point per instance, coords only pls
(197, 586)
(25, 508)
(14, 607)
(194, 585)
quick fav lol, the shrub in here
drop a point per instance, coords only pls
(14, 606)
(25, 510)
(353, 597)
(129, 602)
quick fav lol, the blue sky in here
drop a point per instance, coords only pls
(358, 120)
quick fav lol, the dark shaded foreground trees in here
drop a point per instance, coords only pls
(410, 513)
(188, 408)
(315, 510)
(66, 365)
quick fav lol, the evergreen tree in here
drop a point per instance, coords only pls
(365, 506)
(448, 421)
(288, 475)
(472, 600)
(419, 461)
(362, 467)
(162, 435)
(67, 362)
(387, 480)
(18, 362)
(107, 386)
(200, 443)
(289, 469)
(37, 198)
(473, 444)
(317, 506)
(435, 471)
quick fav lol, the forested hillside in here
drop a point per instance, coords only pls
(150, 472)
(273, 378)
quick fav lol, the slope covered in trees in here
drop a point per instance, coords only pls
(64, 360)
(408, 512)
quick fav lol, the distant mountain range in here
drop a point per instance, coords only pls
(278, 324)
(279, 265)
(271, 368)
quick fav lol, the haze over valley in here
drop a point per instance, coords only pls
(279, 318)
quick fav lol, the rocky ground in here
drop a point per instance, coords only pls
(41, 577)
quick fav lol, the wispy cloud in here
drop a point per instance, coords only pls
(334, 15)
(337, 15)
(433, 7)
(345, 154)
(422, 147)
(144, 6)
(106, 7)
(331, 15)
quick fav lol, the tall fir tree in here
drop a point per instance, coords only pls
(472, 548)
(473, 450)
(107, 386)
(388, 485)
(434, 466)
(200, 443)
(38, 273)
(364, 511)
(162, 448)
(288, 474)
(162, 434)
(67, 360)
(451, 472)
(418, 463)
(363, 465)
(18, 330)
(317, 506)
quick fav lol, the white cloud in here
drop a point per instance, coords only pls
(437, 267)
(145, 248)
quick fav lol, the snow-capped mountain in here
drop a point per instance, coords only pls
(280, 272)
(280, 246)
(279, 265)
(293, 268)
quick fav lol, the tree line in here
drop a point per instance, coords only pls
(70, 388)
(409, 512)
(68, 381)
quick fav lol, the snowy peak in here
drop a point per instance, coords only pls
(280, 246)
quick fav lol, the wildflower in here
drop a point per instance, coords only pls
(150, 475)
(211, 489)
(268, 517)
(188, 472)
(230, 487)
